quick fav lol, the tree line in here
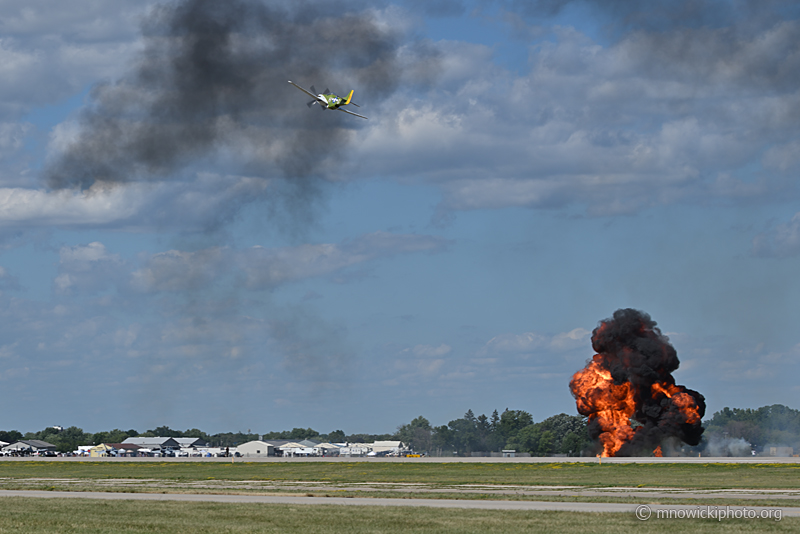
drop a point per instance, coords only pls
(762, 427)
(512, 429)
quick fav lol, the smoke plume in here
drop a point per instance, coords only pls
(211, 84)
(627, 390)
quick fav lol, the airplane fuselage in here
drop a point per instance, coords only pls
(330, 101)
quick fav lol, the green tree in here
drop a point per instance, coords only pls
(368, 438)
(511, 422)
(769, 425)
(10, 436)
(526, 439)
(165, 431)
(442, 439)
(337, 436)
(418, 434)
(546, 443)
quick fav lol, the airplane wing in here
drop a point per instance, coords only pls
(312, 95)
(351, 113)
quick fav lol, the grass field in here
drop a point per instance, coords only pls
(700, 476)
(27, 515)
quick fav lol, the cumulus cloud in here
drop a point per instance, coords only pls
(92, 268)
(781, 241)
(429, 351)
(52, 50)
(420, 362)
(531, 342)
(201, 204)
(266, 268)
(88, 269)
(177, 271)
(684, 114)
(7, 280)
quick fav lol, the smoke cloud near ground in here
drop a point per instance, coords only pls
(723, 446)
(211, 85)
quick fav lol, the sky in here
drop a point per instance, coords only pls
(184, 243)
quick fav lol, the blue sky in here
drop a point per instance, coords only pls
(228, 259)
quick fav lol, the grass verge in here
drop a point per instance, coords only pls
(29, 515)
(699, 476)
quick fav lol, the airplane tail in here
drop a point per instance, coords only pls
(349, 97)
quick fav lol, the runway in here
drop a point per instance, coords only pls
(430, 503)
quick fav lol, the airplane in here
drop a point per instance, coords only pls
(328, 100)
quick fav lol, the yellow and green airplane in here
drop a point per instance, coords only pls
(328, 100)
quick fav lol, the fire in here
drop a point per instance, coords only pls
(627, 390)
(611, 405)
(684, 402)
(657, 453)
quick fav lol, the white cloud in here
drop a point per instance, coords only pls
(577, 338)
(429, 351)
(197, 205)
(36, 207)
(88, 268)
(176, 271)
(657, 118)
(52, 50)
(781, 241)
(515, 343)
(12, 137)
(530, 342)
(265, 268)
(421, 362)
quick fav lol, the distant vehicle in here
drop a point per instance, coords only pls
(328, 100)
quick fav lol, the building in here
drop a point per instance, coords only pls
(780, 451)
(355, 449)
(191, 443)
(328, 449)
(102, 451)
(387, 447)
(155, 444)
(127, 450)
(255, 449)
(29, 446)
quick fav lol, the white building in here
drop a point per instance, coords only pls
(387, 447)
(255, 449)
(355, 449)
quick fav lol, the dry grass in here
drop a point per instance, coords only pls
(28, 515)
(700, 476)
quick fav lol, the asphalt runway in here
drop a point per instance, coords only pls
(650, 511)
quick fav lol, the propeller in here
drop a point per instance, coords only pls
(313, 90)
(311, 103)
(326, 91)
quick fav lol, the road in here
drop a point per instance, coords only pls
(359, 501)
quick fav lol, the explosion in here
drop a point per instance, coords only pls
(627, 390)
